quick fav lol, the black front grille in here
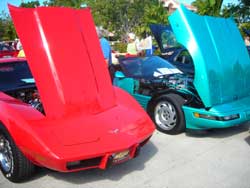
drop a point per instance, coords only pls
(84, 163)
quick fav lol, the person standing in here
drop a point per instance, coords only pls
(21, 51)
(132, 46)
(106, 48)
(247, 41)
(107, 52)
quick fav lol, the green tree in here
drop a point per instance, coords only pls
(121, 16)
(240, 12)
(208, 7)
(30, 4)
(64, 3)
(153, 14)
(7, 30)
(1, 28)
(216, 6)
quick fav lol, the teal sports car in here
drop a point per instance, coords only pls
(216, 95)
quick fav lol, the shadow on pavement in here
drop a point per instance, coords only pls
(247, 139)
(219, 133)
(114, 173)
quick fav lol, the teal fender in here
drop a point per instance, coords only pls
(131, 85)
(239, 109)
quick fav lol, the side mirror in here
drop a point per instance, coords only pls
(119, 74)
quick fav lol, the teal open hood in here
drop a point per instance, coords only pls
(221, 60)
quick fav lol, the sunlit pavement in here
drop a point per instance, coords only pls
(216, 159)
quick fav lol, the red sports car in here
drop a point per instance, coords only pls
(60, 110)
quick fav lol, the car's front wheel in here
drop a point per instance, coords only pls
(166, 112)
(13, 164)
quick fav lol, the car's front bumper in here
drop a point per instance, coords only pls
(82, 161)
(84, 141)
(220, 116)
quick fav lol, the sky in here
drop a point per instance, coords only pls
(3, 3)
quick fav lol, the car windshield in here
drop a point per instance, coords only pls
(15, 75)
(147, 67)
(165, 37)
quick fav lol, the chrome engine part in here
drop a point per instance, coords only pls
(29, 96)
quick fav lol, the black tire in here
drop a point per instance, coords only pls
(19, 167)
(166, 112)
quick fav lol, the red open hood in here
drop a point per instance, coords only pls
(65, 58)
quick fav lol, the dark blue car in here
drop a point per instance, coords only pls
(171, 50)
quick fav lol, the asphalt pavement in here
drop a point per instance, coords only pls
(213, 159)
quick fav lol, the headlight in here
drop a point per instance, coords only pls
(217, 118)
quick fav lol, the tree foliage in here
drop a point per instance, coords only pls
(118, 16)
(208, 7)
(7, 30)
(64, 3)
(241, 11)
(121, 16)
(153, 14)
(30, 4)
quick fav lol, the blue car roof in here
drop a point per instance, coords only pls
(221, 60)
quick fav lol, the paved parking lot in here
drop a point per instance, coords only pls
(216, 159)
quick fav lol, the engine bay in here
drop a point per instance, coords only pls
(29, 96)
(180, 83)
(176, 82)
